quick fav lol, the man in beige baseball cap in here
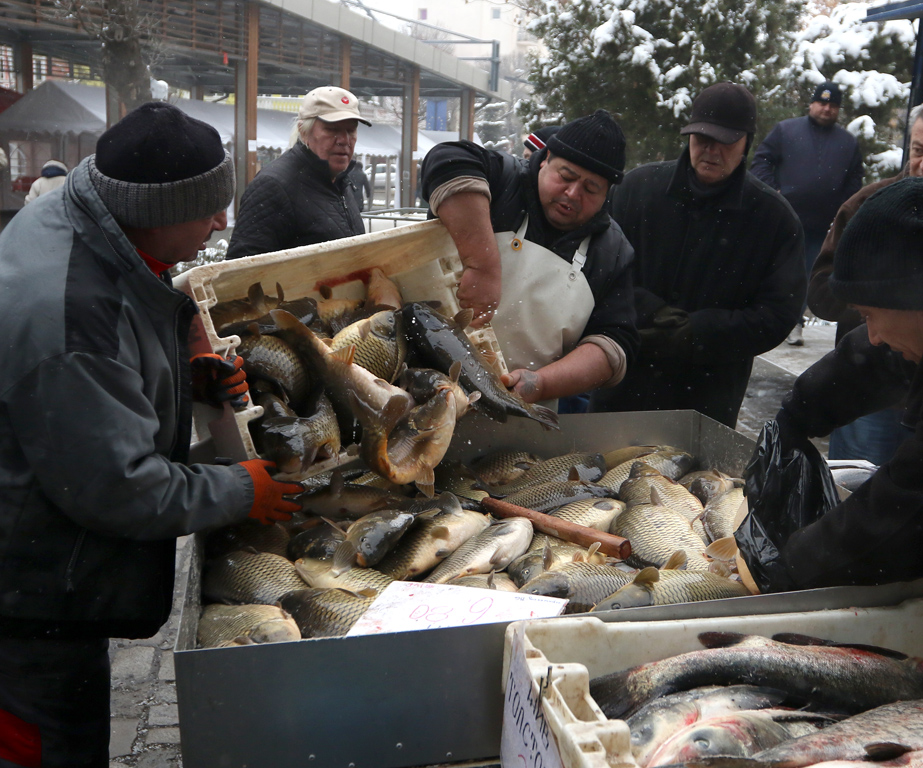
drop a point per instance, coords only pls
(307, 195)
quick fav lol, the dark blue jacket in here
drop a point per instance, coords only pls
(816, 169)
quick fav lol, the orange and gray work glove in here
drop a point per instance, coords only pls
(216, 380)
(268, 502)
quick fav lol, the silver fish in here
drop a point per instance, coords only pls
(248, 577)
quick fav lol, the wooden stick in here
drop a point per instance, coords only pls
(609, 544)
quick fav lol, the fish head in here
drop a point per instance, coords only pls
(281, 630)
(526, 567)
(388, 324)
(727, 737)
(549, 584)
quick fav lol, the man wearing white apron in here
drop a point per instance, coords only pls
(542, 257)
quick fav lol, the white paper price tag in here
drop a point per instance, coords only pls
(409, 605)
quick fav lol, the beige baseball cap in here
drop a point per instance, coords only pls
(331, 104)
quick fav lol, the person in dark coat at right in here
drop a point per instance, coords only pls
(718, 271)
(876, 535)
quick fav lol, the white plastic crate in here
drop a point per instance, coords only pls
(549, 717)
(420, 258)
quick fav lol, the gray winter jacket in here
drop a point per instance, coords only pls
(94, 420)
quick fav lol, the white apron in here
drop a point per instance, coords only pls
(545, 302)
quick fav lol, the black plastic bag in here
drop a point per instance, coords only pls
(787, 488)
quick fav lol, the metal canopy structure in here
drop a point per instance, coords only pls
(247, 47)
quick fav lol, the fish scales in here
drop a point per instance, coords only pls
(719, 514)
(244, 577)
(319, 573)
(668, 587)
(501, 467)
(844, 679)
(272, 358)
(899, 722)
(546, 497)
(433, 537)
(591, 513)
(656, 533)
(325, 612)
(583, 584)
(490, 550)
(379, 341)
(497, 581)
(220, 625)
(588, 466)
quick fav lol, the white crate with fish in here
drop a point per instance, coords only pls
(791, 689)
(411, 689)
(275, 308)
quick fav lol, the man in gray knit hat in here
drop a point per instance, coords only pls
(95, 420)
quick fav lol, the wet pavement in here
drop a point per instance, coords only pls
(145, 720)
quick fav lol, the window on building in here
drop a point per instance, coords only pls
(495, 13)
(421, 14)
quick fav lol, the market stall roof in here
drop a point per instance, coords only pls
(58, 107)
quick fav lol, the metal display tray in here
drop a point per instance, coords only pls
(434, 696)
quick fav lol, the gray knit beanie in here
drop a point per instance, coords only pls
(158, 167)
(879, 259)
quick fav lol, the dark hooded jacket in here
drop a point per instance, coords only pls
(514, 193)
(732, 258)
(293, 202)
(876, 535)
(95, 418)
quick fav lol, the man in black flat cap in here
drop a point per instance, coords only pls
(718, 271)
(539, 248)
(95, 418)
(817, 167)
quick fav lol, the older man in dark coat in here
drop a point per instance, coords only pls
(718, 270)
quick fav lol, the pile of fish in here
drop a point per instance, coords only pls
(392, 377)
(748, 701)
(360, 531)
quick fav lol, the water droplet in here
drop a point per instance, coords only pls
(399, 745)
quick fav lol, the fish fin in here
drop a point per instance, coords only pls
(490, 580)
(334, 524)
(547, 558)
(352, 450)
(345, 354)
(425, 482)
(544, 416)
(721, 639)
(257, 298)
(254, 329)
(676, 561)
(325, 291)
(793, 638)
(280, 294)
(344, 557)
(720, 568)
(593, 549)
(657, 498)
(337, 483)
(463, 318)
(574, 475)
(242, 640)
(647, 577)
(440, 532)
(885, 750)
(724, 549)
(308, 459)
(455, 372)
(367, 592)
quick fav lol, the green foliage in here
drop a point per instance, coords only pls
(645, 60)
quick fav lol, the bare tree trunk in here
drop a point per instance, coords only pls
(123, 58)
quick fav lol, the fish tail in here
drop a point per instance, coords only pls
(544, 416)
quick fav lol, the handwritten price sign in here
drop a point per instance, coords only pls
(406, 606)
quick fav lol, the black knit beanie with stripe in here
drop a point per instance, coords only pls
(157, 167)
(879, 259)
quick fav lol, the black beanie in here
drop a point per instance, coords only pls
(158, 167)
(879, 259)
(594, 142)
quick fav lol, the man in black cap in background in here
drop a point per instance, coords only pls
(718, 272)
(540, 250)
(817, 167)
(95, 419)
